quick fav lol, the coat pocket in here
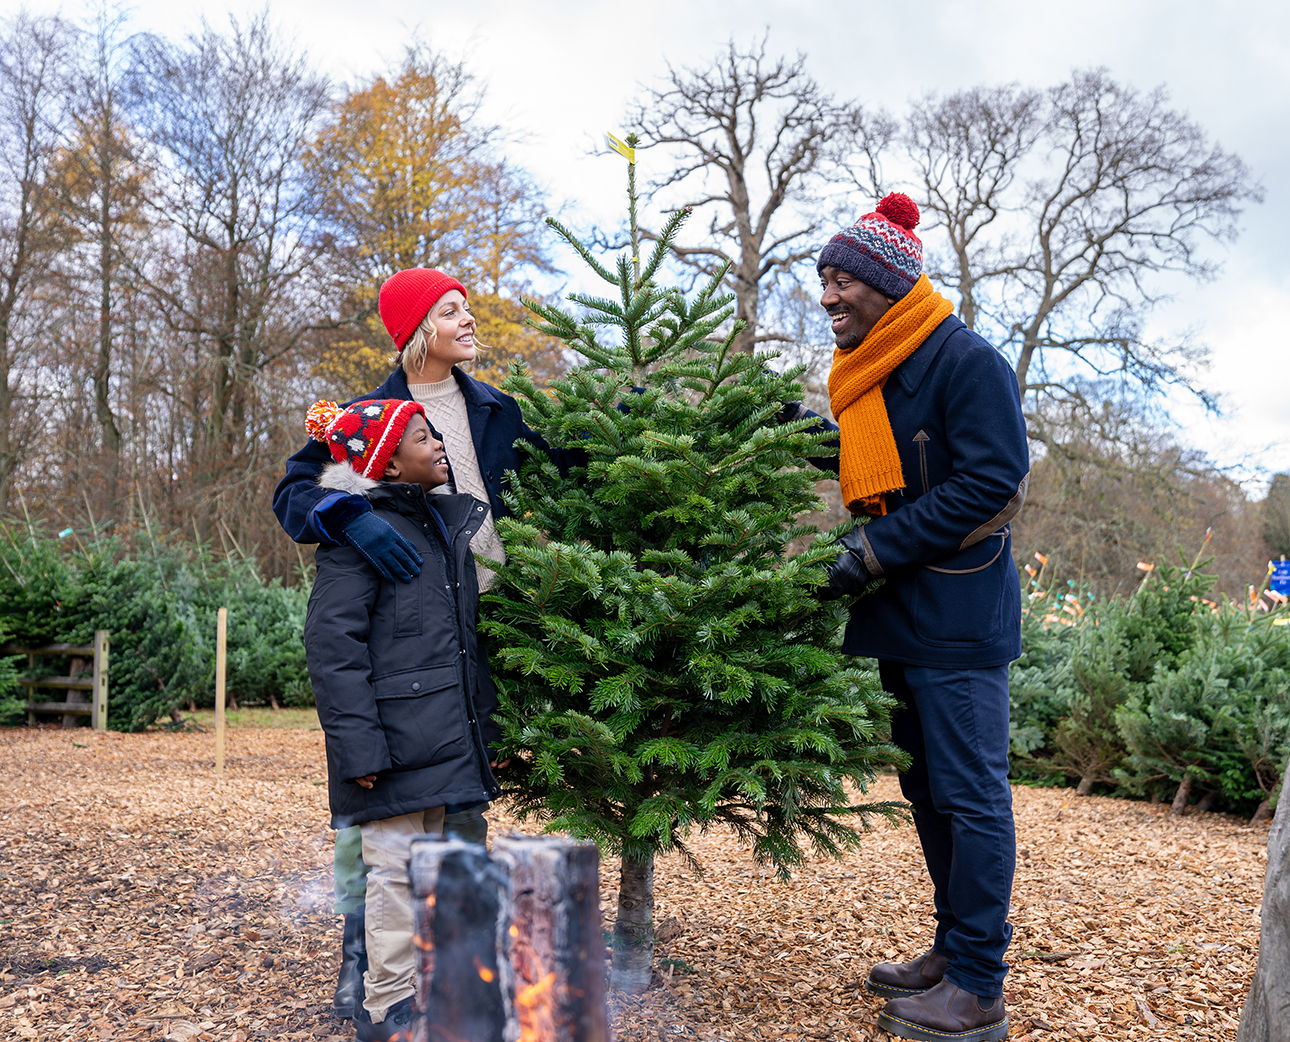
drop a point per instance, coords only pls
(959, 600)
(407, 607)
(421, 714)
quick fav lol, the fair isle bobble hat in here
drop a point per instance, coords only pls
(880, 249)
(363, 434)
(407, 297)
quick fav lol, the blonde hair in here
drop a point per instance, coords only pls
(413, 355)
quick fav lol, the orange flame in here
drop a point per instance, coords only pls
(485, 974)
(533, 1006)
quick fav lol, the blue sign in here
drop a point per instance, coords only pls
(1280, 582)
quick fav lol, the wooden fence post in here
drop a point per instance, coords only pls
(99, 696)
(221, 640)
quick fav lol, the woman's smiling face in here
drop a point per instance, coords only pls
(454, 328)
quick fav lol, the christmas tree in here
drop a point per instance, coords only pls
(664, 661)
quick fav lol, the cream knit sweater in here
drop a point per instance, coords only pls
(444, 404)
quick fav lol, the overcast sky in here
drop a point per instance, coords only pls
(560, 74)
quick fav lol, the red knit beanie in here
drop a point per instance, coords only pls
(364, 434)
(407, 297)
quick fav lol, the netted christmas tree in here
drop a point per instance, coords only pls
(664, 660)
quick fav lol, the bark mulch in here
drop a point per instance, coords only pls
(142, 898)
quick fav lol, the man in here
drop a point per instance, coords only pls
(933, 453)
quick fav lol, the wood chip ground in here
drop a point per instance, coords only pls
(142, 898)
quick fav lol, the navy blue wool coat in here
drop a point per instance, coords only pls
(952, 598)
(402, 685)
(310, 514)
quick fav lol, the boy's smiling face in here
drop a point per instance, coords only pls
(420, 458)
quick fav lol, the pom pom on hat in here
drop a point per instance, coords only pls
(901, 210)
(881, 248)
(320, 416)
(365, 433)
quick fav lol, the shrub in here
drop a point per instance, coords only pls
(158, 602)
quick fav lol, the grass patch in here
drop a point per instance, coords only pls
(259, 718)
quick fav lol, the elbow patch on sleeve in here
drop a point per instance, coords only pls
(1011, 510)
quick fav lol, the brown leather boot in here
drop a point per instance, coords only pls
(899, 979)
(945, 1011)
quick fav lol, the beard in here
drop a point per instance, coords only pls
(848, 341)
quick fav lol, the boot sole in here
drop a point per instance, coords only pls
(891, 991)
(907, 1029)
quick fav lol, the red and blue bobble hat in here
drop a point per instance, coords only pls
(364, 434)
(407, 297)
(881, 248)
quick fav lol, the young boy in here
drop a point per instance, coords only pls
(395, 669)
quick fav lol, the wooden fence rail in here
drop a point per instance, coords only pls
(75, 684)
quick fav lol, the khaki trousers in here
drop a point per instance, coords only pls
(391, 958)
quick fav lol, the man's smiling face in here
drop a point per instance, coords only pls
(853, 306)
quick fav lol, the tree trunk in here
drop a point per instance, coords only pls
(103, 364)
(1085, 784)
(1263, 812)
(1266, 1016)
(1181, 796)
(634, 930)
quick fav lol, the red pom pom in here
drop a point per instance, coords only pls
(900, 210)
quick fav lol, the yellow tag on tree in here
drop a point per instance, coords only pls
(621, 147)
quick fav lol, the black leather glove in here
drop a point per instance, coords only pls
(387, 551)
(847, 574)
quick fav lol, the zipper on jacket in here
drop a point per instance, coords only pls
(470, 682)
(922, 439)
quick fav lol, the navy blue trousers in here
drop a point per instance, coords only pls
(954, 725)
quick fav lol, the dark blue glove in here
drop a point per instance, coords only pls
(387, 551)
(847, 574)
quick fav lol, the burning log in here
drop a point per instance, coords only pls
(459, 896)
(510, 949)
(557, 942)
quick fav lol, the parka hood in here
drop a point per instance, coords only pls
(344, 478)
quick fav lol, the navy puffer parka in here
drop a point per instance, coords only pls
(402, 686)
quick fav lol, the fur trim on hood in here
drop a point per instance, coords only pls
(344, 478)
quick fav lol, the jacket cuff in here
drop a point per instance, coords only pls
(335, 512)
(867, 555)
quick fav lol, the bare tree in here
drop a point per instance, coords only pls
(231, 116)
(33, 56)
(1276, 515)
(752, 137)
(1062, 209)
(100, 189)
(1114, 487)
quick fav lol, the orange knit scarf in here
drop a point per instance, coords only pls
(870, 463)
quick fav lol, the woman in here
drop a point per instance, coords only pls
(427, 314)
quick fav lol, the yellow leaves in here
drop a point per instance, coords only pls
(405, 179)
(394, 166)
